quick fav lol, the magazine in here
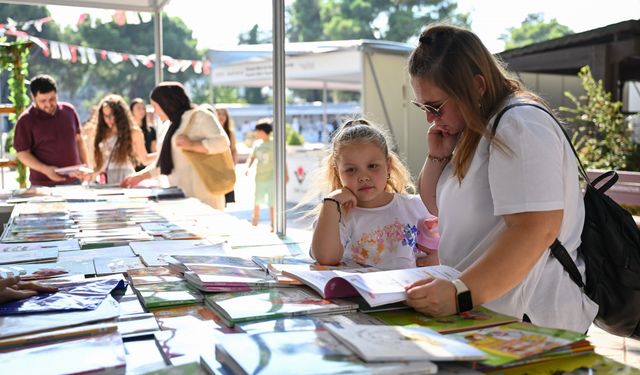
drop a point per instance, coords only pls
(372, 343)
(375, 286)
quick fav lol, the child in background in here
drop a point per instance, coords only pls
(367, 215)
(427, 241)
(263, 153)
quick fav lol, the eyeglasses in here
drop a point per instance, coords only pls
(430, 109)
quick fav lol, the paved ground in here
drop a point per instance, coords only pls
(620, 349)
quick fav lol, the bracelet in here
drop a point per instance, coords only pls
(337, 205)
(438, 159)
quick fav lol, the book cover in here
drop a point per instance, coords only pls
(590, 363)
(111, 265)
(302, 352)
(152, 275)
(80, 168)
(207, 276)
(479, 317)
(27, 256)
(238, 307)
(375, 286)
(513, 342)
(372, 343)
(40, 271)
(184, 262)
(307, 323)
(167, 294)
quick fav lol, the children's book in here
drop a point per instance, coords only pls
(48, 337)
(111, 265)
(183, 263)
(372, 343)
(589, 363)
(479, 317)
(28, 256)
(375, 286)
(238, 307)
(307, 323)
(167, 294)
(159, 256)
(152, 275)
(80, 168)
(101, 353)
(316, 352)
(91, 254)
(515, 343)
(264, 262)
(40, 271)
(214, 278)
(136, 324)
(186, 345)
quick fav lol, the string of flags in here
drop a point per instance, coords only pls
(87, 55)
(119, 17)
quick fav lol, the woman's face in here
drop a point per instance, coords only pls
(158, 110)
(439, 109)
(222, 116)
(109, 117)
(139, 111)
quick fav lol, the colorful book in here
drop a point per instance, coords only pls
(307, 323)
(80, 168)
(316, 351)
(111, 265)
(372, 343)
(517, 343)
(238, 307)
(210, 278)
(183, 263)
(375, 286)
(167, 294)
(40, 271)
(28, 256)
(152, 275)
(479, 317)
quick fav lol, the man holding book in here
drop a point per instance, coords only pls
(47, 136)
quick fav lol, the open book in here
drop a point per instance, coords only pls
(376, 287)
(80, 168)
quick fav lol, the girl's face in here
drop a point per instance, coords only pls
(222, 116)
(109, 117)
(158, 110)
(139, 111)
(439, 109)
(364, 169)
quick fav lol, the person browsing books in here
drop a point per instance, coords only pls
(11, 288)
(171, 103)
(47, 136)
(118, 144)
(502, 199)
(367, 215)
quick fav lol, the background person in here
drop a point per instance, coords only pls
(501, 201)
(139, 112)
(171, 103)
(229, 128)
(47, 136)
(118, 143)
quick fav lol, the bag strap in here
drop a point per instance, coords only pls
(557, 249)
(192, 116)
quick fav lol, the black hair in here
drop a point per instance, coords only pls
(264, 124)
(42, 84)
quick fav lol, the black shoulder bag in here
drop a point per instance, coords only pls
(610, 248)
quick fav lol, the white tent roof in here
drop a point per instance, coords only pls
(133, 5)
(311, 65)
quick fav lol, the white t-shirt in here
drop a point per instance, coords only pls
(385, 236)
(537, 173)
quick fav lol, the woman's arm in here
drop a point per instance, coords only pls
(137, 139)
(428, 182)
(505, 264)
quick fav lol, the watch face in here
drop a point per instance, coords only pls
(464, 301)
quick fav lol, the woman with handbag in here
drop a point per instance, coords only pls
(190, 148)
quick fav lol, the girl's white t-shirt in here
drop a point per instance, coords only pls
(538, 172)
(384, 237)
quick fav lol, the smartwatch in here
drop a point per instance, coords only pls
(463, 296)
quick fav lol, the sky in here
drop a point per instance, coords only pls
(215, 28)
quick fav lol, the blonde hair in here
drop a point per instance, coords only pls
(450, 57)
(358, 131)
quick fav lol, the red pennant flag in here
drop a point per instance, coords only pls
(103, 54)
(74, 53)
(206, 69)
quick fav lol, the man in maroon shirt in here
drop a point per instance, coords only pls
(47, 135)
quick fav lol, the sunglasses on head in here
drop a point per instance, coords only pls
(430, 109)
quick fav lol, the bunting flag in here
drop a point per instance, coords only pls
(86, 55)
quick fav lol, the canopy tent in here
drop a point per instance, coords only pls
(375, 68)
(151, 6)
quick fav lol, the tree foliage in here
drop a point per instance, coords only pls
(396, 20)
(603, 139)
(534, 29)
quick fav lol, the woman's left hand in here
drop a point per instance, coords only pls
(434, 297)
(184, 142)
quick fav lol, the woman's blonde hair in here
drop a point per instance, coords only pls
(359, 131)
(450, 57)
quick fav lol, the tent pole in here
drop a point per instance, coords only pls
(279, 114)
(157, 39)
(325, 118)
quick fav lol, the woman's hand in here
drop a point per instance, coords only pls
(133, 180)
(345, 197)
(441, 144)
(434, 297)
(12, 289)
(184, 142)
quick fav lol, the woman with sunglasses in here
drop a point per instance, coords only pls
(502, 198)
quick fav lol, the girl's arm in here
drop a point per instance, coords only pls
(512, 256)
(326, 246)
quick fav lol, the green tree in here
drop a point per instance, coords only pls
(305, 24)
(254, 95)
(603, 139)
(534, 29)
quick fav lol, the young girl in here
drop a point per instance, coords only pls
(367, 216)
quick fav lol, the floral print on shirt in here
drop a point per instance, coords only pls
(383, 242)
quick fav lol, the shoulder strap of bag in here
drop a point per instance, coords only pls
(557, 249)
(192, 117)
